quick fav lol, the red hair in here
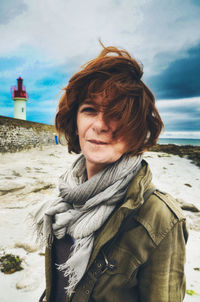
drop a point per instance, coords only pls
(116, 76)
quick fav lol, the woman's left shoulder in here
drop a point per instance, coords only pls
(166, 205)
(160, 214)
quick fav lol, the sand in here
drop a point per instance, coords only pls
(28, 178)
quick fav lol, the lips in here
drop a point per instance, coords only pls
(97, 142)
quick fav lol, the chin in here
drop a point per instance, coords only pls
(99, 161)
(102, 160)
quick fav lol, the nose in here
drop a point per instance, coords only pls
(99, 124)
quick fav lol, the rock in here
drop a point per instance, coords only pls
(41, 253)
(26, 246)
(28, 282)
(193, 221)
(17, 174)
(190, 207)
(44, 187)
(191, 152)
(187, 206)
(8, 187)
(188, 185)
(197, 269)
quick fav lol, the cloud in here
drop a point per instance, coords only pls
(9, 9)
(7, 111)
(46, 41)
(10, 63)
(5, 102)
(182, 114)
(48, 81)
(181, 134)
(196, 2)
(44, 111)
(61, 30)
(180, 79)
(36, 116)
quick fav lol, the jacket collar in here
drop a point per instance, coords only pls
(133, 200)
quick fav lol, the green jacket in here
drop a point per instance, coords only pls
(146, 261)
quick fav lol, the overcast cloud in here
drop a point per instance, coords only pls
(46, 41)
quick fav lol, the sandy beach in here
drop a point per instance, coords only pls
(28, 178)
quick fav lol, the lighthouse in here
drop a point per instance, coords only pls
(19, 96)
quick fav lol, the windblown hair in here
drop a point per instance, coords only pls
(116, 77)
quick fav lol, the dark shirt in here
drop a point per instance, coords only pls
(61, 251)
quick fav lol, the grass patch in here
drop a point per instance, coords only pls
(191, 292)
(10, 263)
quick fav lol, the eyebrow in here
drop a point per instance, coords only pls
(88, 102)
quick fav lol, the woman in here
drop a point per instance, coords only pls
(111, 236)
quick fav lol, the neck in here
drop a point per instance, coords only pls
(93, 168)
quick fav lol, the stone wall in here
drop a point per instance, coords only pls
(17, 135)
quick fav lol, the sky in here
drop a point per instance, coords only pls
(45, 42)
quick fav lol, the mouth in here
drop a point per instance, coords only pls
(97, 142)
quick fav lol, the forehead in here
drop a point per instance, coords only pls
(98, 100)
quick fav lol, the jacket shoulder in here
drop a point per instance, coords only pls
(159, 214)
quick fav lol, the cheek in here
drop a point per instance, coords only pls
(80, 127)
(78, 122)
(83, 124)
(121, 147)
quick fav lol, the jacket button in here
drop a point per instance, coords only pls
(99, 264)
(87, 292)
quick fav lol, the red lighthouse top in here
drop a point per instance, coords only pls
(20, 90)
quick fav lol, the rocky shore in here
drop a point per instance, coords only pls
(187, 151)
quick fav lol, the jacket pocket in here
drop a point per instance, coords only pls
(122, 262)
(118, 281)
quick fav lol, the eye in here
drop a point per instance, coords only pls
(88, 109)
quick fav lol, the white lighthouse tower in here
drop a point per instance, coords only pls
(19, 96)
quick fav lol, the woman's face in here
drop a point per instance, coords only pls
(96, 137)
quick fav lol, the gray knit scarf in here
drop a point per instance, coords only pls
(82, 208)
